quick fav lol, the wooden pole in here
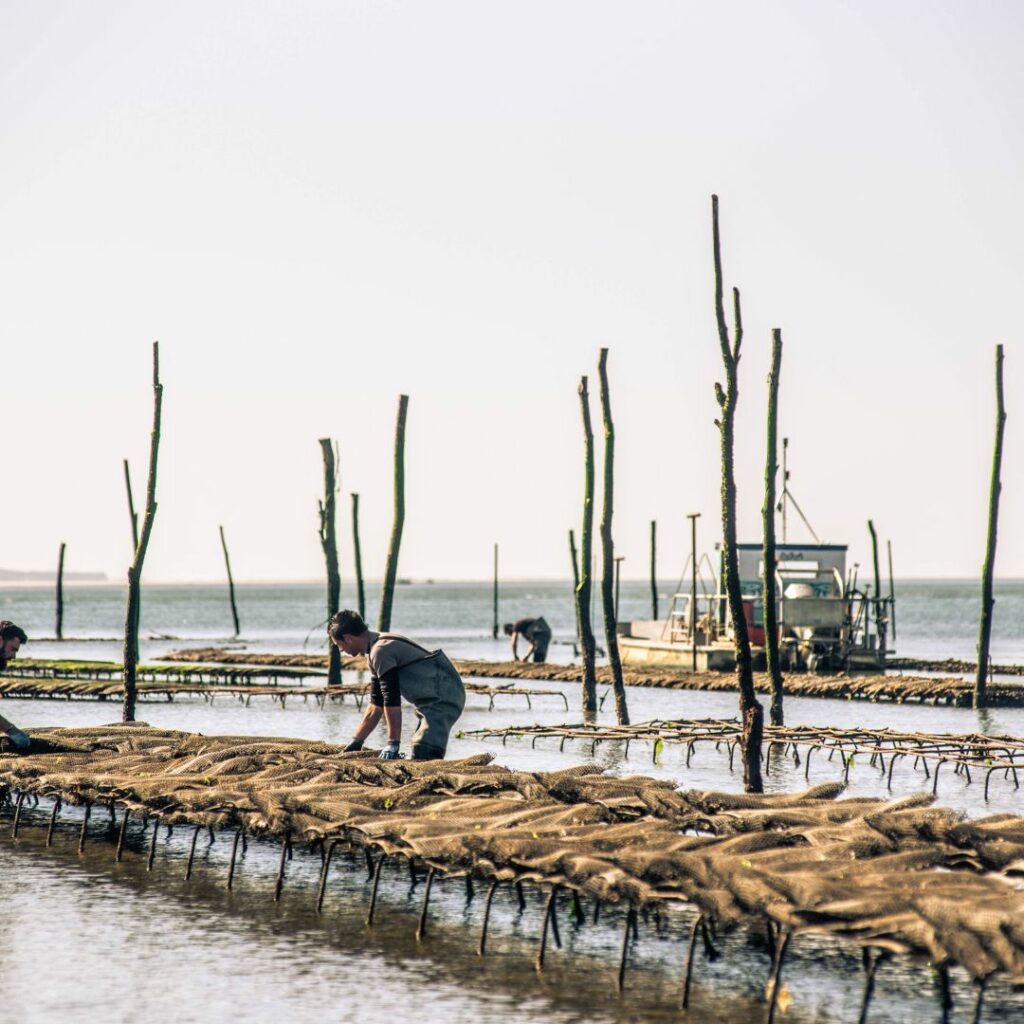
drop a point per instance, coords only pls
(619, 559)
(391, 571)
(771, 608)
(892, 592)
(131, 618)
(987, 599)
(360, 589)
(880, 619)
(132, 514)
(654, 569)
(231, 582)
(60, 592)
(609, 565)
(584, 586)
(494, 631)
(327, 509)
(785, 486)
(693, 517)
(751, 712)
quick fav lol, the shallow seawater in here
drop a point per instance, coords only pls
(87, 938)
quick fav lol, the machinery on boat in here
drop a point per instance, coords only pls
(826, 621)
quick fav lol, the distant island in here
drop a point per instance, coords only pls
(27, 576)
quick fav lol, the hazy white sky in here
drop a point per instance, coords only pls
(316, 207)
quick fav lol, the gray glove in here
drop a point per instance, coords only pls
(390, 752)
(354, 745)
(19, 739)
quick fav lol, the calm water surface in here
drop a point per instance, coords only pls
(86, 939)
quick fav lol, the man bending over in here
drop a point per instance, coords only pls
(11, 639)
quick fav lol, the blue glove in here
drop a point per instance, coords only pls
(19, 739)
(390, 752)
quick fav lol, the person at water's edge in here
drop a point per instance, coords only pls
(399, 668)
(538, 636)
(11, 639)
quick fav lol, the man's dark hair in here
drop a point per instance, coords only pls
(346, 623)
(509, 628)
(8, 631)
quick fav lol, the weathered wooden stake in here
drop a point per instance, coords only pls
(892, 592)
(880, 617)
(133, 516)
(120, 837)
(583, 588)
(329, 543)
(987, 600)
(494, 629)
(771, 608)
(192, 852)
(131, 619)
(751, 712)
(481, 949)
(60, 592)
(421, 927)
(234, 855)
(279, 884)
(231, 582)
(376, 885)
(608, 573)
(387, 596)
(360, 589)
(324, 870)
(654, 569)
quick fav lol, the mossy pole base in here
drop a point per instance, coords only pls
(609, 564)
(387, 596)
(751, 712)
(771, 609)
(987, 598)
(131, 618)
(327, 512)
(584, 587)
(59, 623)
(231, 582)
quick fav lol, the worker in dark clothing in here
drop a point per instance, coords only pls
(399, 668)
(11, 639)
(537, 633)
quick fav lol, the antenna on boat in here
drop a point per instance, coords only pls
(788, 497)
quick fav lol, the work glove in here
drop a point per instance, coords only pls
(354, 745)
(19, 739)
(390, 752)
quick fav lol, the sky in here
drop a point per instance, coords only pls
(318, 207)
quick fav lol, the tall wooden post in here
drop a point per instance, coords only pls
(360, 588)
(771, 608)
(494, 630)
(892, 592)
(585, 586)
(231, 582)
(609, 564)
(693, 517)
(987, 600)
(60, 593)
(327, 510)
(654, 569)
(387, 596)
(619, 559)
(575, 583)
(751, 712)
(131, 617)
(880, 618)
(133, 516)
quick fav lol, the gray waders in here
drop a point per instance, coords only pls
(435, 689)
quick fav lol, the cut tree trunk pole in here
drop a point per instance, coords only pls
(574, 558)
(987, 599)
(751, 712)
(327, 510)
(131, 618)
(59, 624)
(880, 619)
(387, 596)
(654, 570)
(360, 588)
(585, 585)
(231, 582)
(892, 592)
(771, 608)
(609, 565)
(619, 559)
(693, 517)
(494, 631)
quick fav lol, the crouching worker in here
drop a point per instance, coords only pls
(11, 639)
(401, 668)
